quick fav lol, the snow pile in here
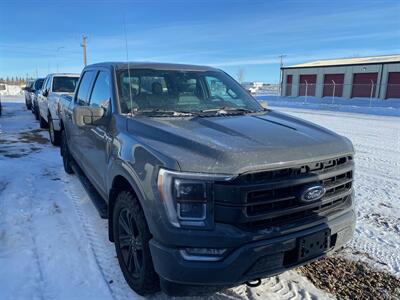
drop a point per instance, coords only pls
(10, 90)
(375, 106)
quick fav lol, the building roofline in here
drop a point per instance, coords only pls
(347, 61)
(340, 65)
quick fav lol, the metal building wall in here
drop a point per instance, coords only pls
(348, 71)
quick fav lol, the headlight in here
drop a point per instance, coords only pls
(187, 197)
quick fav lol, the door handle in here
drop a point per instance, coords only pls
(101, 134)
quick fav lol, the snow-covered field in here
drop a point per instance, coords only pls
(53, 244)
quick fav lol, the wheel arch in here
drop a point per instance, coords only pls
(121, 181)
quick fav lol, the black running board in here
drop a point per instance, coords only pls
(96, 198)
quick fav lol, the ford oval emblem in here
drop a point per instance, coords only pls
(312, 193)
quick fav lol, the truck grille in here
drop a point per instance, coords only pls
(271, 198)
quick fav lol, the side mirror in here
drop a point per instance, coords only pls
(87, 115)
(264, 103)
(45, 93)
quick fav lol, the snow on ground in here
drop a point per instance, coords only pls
(374, 106)
(53, 244)
(377, 181)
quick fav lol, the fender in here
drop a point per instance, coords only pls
(123, 169)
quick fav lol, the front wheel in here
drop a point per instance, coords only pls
(132, 237)
(66, 156)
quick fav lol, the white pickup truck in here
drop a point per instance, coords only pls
(48, 99)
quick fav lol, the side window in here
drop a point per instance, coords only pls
(219, 90)
(101, 93)
(84, 86)
(45, 83)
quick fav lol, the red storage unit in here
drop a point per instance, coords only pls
(363, 83)
(289, 80)
(393, 85)
(307, 82)
(333, 82)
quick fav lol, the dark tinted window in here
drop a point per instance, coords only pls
(64, 84)
(101, 93)
(46, 84)
(38, 84)
(185, 91)
(84, 86)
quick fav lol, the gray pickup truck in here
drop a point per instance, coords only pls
(203, 188)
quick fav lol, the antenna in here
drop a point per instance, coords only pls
(127, 60)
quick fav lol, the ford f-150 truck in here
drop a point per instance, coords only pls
(203, 187)
(48, 99)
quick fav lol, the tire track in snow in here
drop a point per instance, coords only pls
(103, 251)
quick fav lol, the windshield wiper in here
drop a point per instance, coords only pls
(157, 111)
(227, 110)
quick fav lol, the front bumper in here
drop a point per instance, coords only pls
(250, 261)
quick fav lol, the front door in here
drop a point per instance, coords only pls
(98, 135)
(78, 141)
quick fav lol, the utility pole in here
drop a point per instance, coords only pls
(84, 45)
(281, 73)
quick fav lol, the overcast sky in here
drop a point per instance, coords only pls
(250, 35)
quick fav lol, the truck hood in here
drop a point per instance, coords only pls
(237, 144)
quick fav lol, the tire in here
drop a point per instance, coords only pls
(66, 155)
(42, 122)
(133, 238)
(54, 134)
(36, 113)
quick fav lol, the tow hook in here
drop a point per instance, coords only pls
(253, 283)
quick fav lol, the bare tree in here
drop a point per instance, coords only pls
(240, 75)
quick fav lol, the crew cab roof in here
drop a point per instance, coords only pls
(64, 74)
(153, 66)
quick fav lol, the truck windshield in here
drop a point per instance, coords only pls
(143, 90)
(64, 84)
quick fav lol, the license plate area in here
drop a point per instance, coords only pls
(313, 245)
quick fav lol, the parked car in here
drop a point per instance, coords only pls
(203, 188)
(27, 91)
(36, 87)
(54, 86)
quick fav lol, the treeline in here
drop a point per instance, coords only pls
(15, 80)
